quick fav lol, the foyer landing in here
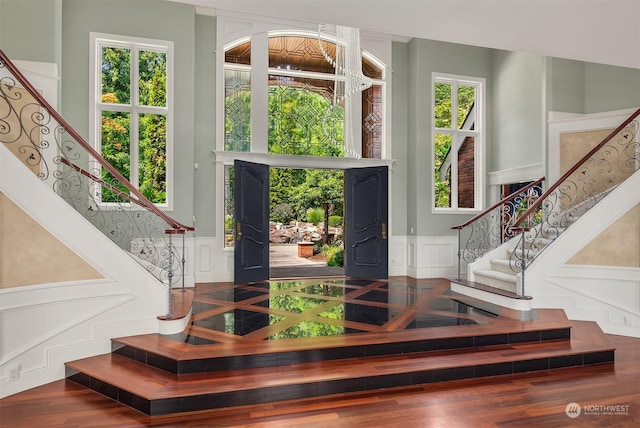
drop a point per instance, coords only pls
(281, 340)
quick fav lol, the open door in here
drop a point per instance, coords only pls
(251, 211)
(366, 218)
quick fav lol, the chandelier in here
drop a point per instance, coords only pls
(347, 62)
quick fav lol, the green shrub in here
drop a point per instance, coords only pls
(228, 222)
(282, 213)
(335, 220)
(334, 255)
(315, 215)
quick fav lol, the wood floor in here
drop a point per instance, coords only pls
(535, 399)
(608, 393)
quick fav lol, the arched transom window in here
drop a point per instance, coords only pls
(301, 115)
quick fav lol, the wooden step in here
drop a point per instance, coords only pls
(178, 358)
(155, 391)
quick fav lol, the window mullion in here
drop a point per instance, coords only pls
(259, 93)
(135, 122)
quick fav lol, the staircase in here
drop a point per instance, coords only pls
(153, 375)
(506, 239)
(504, 270)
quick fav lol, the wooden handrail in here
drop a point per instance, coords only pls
(141, 199)
(573, 169)
(499, 203)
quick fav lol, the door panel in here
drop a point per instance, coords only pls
(366, 207)
(251, 210)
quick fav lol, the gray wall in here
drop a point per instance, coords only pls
(521, 89)
(31, 30)
(425, 57)
(399, 137)
(151, 19)
(518, 110)
(579, 87)
(205, 129)
(610, 88)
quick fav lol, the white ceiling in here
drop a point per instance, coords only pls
(601, 31)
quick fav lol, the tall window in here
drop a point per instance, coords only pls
(457, 142)
(301, 117)
(131, 105)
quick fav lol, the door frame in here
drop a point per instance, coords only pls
(223, 158)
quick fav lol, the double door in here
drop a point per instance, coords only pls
(366, 222)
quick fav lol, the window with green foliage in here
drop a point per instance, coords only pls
(131, 91)
(457, 145)
(302, 118)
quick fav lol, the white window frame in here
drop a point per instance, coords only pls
(96, 106)
(259, 103)
(458, 135)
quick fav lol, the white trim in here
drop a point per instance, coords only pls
(516, 175)
(431, 256)
(294, 161)
(523, 305)
(479, 134)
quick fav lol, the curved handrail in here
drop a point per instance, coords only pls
(536, 205)
(499, 203)
(141, 199)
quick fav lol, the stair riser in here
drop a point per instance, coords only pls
(240, 362)
(315, 389)
(496, 283)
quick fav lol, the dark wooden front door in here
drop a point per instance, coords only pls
(366, 219)
(251, 211)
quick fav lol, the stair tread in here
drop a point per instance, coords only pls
(496, 274)
(152, 383)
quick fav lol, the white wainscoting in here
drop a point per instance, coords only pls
(432, 256)
(212, 263)
(414, 256)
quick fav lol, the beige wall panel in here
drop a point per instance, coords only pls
(31, 255)
(618, 245)
(574, 145)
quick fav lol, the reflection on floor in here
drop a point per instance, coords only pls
(323, 307)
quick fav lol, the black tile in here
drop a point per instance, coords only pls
(383, 349)
(104, 388)
(455, 373)
(342, 352)
(599, 357)
(557, 334)
(135, 401)
(524, 337)
(341, 386)
(125, 351)
(419, 378)
(241, 362)
(455, 343)
(387, 381)
(204, 365)
(237, 398)
(531, 365)
(291, 392)
(162, 363)
(285, 358)
(78, 377)
(566, 361)
(421, 346)
(494, 369)
(491, 340)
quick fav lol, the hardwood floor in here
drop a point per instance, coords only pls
(534, 399)
(608, 393)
